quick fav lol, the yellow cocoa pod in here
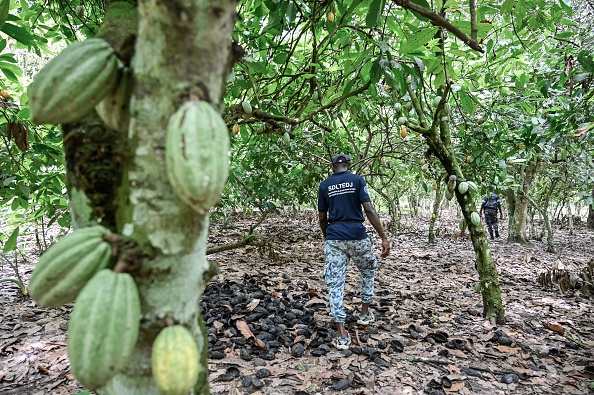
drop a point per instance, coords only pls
(175, 360)
(235, 129)
(330, 17)
(403, 131)
(5, 95)
(468, 159)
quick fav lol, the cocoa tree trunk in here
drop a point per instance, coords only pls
(570, 220)
(438, 139)
(510, 198)
(517, 229)
(182, 52)
(545, 217)
(590, 221)
(435, 213)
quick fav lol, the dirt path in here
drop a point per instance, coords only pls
(429, 336)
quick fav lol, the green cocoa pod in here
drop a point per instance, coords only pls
(67, 265)
(463, 187)
(472, 187)
(175, 360)
(73, 83)
(436, 101)
(448, 195)
(114, 109)
(451, 186)
(287, 138)
(103, 328)
(247, 107)
(462, 225)
(398, 108)
(401, 120)
(446, 109)
(475, 218)
(197, 154)
(409, 106)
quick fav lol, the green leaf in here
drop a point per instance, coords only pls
(4, 7)
(565, 35)
(19, 34)
(374, 15)
(11, 243)
(586, 60)
(10, 75)
(422, 3)
(467, 102)
(507, 7)
(418, 39)
(566, 5)
(25, 191)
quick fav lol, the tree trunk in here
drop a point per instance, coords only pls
(531, 214)
(547, 223)
(438, 139)
(517, 229)
(182, 51)
(570, 220)
(510, 198)
(435, 213)
(590, 221)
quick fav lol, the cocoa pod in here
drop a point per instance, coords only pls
(114, 109)
(73, 82)
(103, 328)
(197, 154)
(67, 265)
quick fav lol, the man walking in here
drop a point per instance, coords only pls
(340, 198)
(490, 206)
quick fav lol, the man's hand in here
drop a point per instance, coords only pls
(385, 248)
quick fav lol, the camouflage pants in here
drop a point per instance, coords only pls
(338, 253)
(491, 220)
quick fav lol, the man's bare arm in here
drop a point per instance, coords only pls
(374, 219)
(323, 218)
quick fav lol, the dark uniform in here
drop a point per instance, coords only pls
(490, 206)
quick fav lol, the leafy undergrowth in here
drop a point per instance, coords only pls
(429, 336)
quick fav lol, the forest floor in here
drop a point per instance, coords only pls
(429, 335)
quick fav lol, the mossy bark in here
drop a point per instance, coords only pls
(95, 157)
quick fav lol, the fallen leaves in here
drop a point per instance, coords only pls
(556, 328)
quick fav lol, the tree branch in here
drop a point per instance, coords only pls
(473, 26)
(441, 21)
(230, 246)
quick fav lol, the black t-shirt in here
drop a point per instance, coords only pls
(341, 196)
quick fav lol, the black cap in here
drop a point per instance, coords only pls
(341, 158)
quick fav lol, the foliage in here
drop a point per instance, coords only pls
(319, 86)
